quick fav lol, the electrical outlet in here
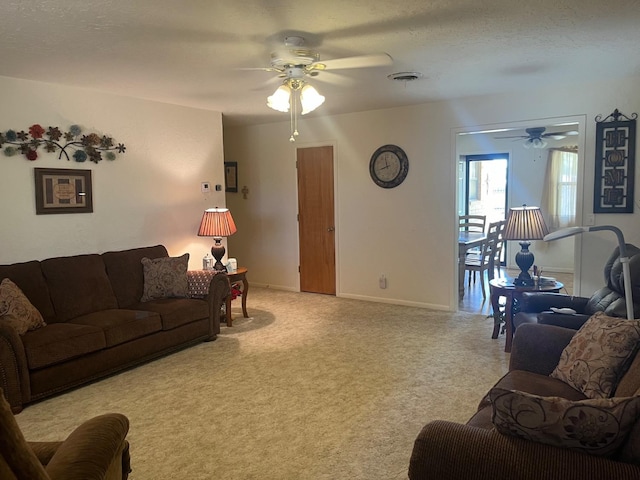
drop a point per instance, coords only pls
(382, 281)
(590, 219)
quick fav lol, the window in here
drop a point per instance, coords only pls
(561, 187)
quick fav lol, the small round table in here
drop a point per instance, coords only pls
(502, 287)
(240, 275)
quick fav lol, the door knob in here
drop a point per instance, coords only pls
(330, 229)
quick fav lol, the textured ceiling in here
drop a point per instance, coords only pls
(192, 52)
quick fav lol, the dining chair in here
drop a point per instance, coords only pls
(484, 260)
(496, 258)
(472, 223)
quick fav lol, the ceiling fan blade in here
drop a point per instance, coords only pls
(362, 61)
(560, 135)
(513, 136)
(260, 69)
(335, 79)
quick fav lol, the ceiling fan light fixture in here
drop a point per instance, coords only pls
(535, 143)
(310, 99)
(280, 99)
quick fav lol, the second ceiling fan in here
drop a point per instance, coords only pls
(536, 136)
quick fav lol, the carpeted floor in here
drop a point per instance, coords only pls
(310, 387)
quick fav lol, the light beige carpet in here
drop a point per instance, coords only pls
(310, 387)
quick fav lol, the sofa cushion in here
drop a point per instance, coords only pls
(165, 277)
(78, 285)
(535, 384)
(630, 451)
(598, 355)
(17, 310)
(629, 384)
(176, 312)
(58, 342)
(594, 426)
(125, 272)
(29, 278)
(121, 325)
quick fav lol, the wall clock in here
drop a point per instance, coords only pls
(389, 166)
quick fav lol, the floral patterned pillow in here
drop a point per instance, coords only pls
(594, 426)
(165, 277)
(17, 310)
(599, 354)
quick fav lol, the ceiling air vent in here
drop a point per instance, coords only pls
(405, 76)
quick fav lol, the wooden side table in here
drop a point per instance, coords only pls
(240, 275)
(500, 287)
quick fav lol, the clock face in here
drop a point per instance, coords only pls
(389, 166)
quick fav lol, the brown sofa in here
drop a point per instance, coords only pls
(445, 450)
(96, 323)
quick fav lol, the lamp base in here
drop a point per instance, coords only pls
(218, 251)
(524, 260)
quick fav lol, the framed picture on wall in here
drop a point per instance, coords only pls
(615, 163)
(63, 190)
(231, 176)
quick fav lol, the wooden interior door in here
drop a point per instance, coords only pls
(316, 218)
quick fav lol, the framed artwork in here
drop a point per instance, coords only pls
(231, 176)
(615, 163)
(63, 190)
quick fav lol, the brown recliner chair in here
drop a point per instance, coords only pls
(535, 307)
(97, 449)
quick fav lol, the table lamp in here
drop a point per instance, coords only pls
(622, 248)
(217, 223)
(524, 224)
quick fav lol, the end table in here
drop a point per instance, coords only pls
(501, 287)
(199, 287)
(240, 275)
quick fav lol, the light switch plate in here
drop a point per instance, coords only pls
(205, 187)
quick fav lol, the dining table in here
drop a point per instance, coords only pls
(466, 241)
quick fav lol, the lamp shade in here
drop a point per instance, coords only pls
(525, 223)
(217, 222)
(280, 99)
(310, 99)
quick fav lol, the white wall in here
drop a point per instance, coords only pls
(408, 232)
(149, 195)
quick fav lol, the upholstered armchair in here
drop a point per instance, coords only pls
(97, 449)
(536, 307)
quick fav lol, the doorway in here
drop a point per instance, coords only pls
(485, 187)
(316, 220)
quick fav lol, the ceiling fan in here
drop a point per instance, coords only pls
(535, 137)
(295, 64)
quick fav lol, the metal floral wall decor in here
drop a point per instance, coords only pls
(73, 143)
(615, 163)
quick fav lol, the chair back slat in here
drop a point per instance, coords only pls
(473, 223)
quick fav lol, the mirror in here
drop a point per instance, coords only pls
(527, 147)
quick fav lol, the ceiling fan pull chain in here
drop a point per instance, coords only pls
(294, 116)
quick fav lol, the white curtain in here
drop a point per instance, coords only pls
(561, 186)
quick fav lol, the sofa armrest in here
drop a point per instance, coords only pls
(219, 290)
(537, 347)
(94, 450)
(445, 450)
(566, 320)
(541, 301)
(14, 371)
